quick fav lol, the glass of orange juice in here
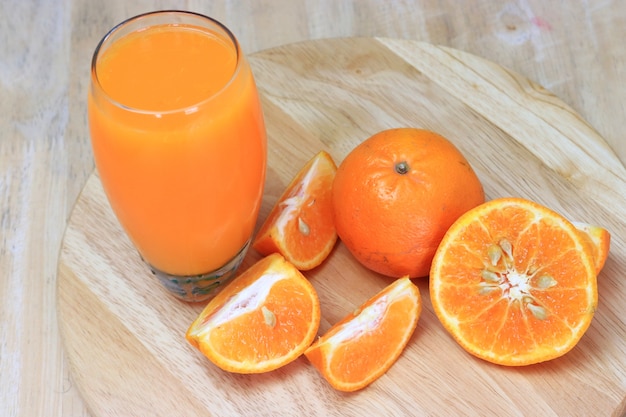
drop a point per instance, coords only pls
(179, 143)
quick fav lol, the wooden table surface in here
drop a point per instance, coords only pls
(573, 48)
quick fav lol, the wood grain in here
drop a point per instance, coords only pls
(573, 48)
(124, 335)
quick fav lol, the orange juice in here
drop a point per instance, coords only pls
(179, 143)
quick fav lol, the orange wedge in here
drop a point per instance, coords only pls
(300, 225)
(514, 282)
(599, 239)
(363, 346)
(262, 320)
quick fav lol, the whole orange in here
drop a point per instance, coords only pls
(396, 194)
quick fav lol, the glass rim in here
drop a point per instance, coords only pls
(192, 108)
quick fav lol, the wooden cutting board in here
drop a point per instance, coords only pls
(124, 335)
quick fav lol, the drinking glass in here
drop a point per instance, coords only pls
(179, 144)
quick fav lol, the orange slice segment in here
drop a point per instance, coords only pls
(514, 282)
(300, 225)
(600, 241)
(363, 346)
(262, 320)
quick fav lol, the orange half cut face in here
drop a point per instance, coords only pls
(514, 282)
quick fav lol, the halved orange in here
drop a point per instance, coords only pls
(600, 240)
(263, 319)
(514, 282)
(300, 225)
(361, 347)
